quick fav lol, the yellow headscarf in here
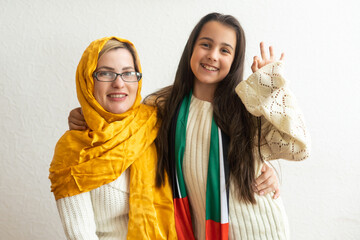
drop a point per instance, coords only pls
(85, 160)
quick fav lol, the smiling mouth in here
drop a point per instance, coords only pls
(209, 68)
(117, 95)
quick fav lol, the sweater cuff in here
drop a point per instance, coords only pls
(255, 91)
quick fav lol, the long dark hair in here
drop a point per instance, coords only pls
(230, 113)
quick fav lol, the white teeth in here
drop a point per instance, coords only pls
(209, 68)
(117, 95)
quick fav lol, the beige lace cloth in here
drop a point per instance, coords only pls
(283, 132)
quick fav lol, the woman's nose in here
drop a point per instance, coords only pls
(118, 83)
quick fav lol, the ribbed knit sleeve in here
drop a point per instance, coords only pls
(77, 217)
(101, 213)
(265, 94)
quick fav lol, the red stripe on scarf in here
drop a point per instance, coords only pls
(183, 226)
(216, 230)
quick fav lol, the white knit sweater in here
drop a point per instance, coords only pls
(103, 212)
(99, 214)
(267, 218)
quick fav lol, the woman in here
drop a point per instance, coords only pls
(103, 179)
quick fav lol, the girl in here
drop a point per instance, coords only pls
(213, 144)
(103, 179)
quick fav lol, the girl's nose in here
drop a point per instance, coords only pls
(213, 55)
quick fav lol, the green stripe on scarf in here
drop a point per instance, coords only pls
(213, 177)
(180, 141)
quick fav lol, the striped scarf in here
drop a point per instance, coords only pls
(217, 192)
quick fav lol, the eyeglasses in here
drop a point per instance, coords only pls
(107, 76)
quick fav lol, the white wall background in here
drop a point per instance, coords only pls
(42, 41)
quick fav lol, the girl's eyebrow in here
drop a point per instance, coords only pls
(110, 68)
(211, 40)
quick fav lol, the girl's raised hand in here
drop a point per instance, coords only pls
(259, 63)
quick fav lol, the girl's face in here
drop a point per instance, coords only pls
(213, 53)
(118, 96)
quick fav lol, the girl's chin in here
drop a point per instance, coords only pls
(207, 81)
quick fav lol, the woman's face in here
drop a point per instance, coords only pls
(213, 53)
(117, 96)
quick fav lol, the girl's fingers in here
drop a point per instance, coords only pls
(258, 62)
(254, 66)
(260, 181)
(271, 50)
(266, 185)
(77, 121)
(264, 177)
(270, 185)
(262, 62)
(282, 56)
(262, 50)
(73, 126)
(276, 193)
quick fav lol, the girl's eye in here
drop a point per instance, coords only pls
(225, 50)
(205, 45)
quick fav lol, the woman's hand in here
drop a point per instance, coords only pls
(76, 120)
(259, 63)
(267, 182)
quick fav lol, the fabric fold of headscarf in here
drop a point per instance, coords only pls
(85, 160)
(217, 191)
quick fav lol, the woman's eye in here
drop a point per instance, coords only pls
(105, 74)
(128, 73)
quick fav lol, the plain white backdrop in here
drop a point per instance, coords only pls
(42, 41)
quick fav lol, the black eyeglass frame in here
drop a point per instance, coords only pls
(138, 76)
